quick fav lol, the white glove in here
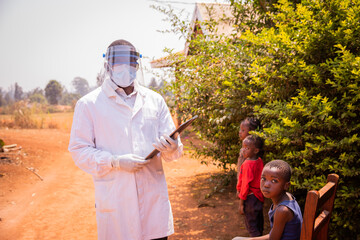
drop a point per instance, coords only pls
(166, 144)
(128, 162)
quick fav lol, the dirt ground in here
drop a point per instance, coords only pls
(61, 205)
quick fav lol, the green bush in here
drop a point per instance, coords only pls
(298, 70)
(310, 67)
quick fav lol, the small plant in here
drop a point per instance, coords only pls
(22, 116)
(53, 125)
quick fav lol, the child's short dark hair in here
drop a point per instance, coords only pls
(284, 167)
(253, 123)
(258, 142)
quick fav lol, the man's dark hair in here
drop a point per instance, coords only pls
(121, 42)
(284, 167)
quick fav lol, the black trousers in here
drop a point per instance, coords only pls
(254, 218)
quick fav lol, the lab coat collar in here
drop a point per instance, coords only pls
(110, 88)
(140, 99)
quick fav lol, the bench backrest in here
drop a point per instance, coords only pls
(318, 208)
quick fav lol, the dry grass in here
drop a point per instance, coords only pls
(43, 120)
(59, 120)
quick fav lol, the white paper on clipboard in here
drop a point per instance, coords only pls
(177, 130)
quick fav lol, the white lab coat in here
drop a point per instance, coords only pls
(129, 206)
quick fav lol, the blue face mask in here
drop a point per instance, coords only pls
(123, 75)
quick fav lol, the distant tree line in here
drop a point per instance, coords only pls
(54, 93)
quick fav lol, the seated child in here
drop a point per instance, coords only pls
(251, 198)
(284, 214)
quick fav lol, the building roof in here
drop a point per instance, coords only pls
(166, 61)
(203, 12)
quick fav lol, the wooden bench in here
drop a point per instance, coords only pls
(318, 208)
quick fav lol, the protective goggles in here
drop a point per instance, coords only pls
(122, 55)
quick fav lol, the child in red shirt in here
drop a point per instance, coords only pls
(251, 198)
(247, 125)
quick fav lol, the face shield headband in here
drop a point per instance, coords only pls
(122, 55)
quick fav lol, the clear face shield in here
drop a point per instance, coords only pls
(123, 65)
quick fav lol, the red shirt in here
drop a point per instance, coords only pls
(249, 179)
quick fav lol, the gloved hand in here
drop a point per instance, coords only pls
(166, 144)
(128, 162)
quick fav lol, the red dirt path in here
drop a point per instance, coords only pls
(62, 205)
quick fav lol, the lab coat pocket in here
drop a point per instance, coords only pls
(104, 196)
(150, 122)
(149, 128)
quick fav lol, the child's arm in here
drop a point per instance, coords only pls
(281, 217)
(243, 185)
(241, 207)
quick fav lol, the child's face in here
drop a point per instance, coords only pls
(272, 184)
(244, 131)
(249, 150)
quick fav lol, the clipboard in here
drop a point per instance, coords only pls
(177, 130)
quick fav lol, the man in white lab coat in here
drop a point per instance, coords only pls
(114, 128)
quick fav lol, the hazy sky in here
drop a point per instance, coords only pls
(41, 40)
